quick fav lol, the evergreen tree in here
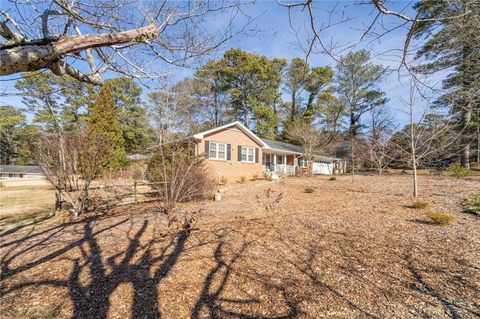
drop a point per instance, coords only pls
(211, 86)
(316, 85)
(131, 114)
(12, 120)
(250, 81)
(357, 79)
(103, 121)
(295, 81)
(452, 32)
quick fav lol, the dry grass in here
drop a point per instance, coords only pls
(420, 204)
(441, 219)
(331, 254)
(23, 198)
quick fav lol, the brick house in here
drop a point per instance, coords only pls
(233, 151)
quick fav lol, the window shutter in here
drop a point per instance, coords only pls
(206, 149)
(239, 155)
(256, 155)
(229, 155)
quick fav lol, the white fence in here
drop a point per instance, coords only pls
(279, 168)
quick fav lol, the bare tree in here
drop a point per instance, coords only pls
(425, 139)
(71, 164)
(178, 175)
(127, 37)
(317, 24)
(380, 128)
(312, 140)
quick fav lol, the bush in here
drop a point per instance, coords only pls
(471, 204)
(242, 180)
(420, 204)
(333, 178)
(223, 181)
(178, 175)
(255, 177)
(440, 219)
(267, 176)
(309, 189)
(458, 171)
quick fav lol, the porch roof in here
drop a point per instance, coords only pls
(283, 147)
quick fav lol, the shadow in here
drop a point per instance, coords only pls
(422, 221)
(144, 264)
(214, 305)
(422, 286)
(15, 229)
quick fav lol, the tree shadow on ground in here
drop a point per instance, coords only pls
(143, 264)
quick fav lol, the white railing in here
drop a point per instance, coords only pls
(279, 168)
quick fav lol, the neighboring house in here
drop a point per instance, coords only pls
(13, 171)
(233, 151)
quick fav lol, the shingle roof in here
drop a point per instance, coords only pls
(136, 157)
(20, 169)
(281, 146)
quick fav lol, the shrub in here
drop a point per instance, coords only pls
(309, 189)
(267, 176)
(269, 200)
(420, 204)
(471, 204)
(440, 219)
(458, 171)
(178, 175)
(242, 179)
(255, 177)
(223, 180)
(333, 178)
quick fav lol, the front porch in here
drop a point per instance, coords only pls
(280, 163)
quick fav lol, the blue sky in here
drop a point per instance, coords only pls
(276, 38)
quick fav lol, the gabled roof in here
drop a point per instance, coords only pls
(20, 169)
(281, 146)
(237, 124)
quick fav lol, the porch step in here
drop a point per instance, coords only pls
(274, 176)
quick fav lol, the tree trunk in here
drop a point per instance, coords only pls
(414, 154)
(45, 53)
(465, 139)
(293, 107)
(415, 185)
(215, 106)
(353, 156)
(478, 141)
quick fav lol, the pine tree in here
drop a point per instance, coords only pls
(452, 33)
(103, 121)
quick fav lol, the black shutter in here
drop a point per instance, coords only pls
(229, 155)
(239, 156)
(256, 155)
(206, 149)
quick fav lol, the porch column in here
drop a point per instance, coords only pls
(284, 163)
(274, 162)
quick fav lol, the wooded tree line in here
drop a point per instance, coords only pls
(341, 105)
(325, 109)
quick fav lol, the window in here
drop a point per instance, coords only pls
(217, 151)
(248, 154)
(303, 162)
(280, 159)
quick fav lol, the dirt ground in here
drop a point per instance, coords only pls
(347, 250)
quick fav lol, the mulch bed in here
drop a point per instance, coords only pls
(347, 250)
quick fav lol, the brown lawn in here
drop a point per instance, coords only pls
(347, 250)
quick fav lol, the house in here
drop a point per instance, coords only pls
(233, 151)
(15, 171)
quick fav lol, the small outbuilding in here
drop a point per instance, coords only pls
(17, 171)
